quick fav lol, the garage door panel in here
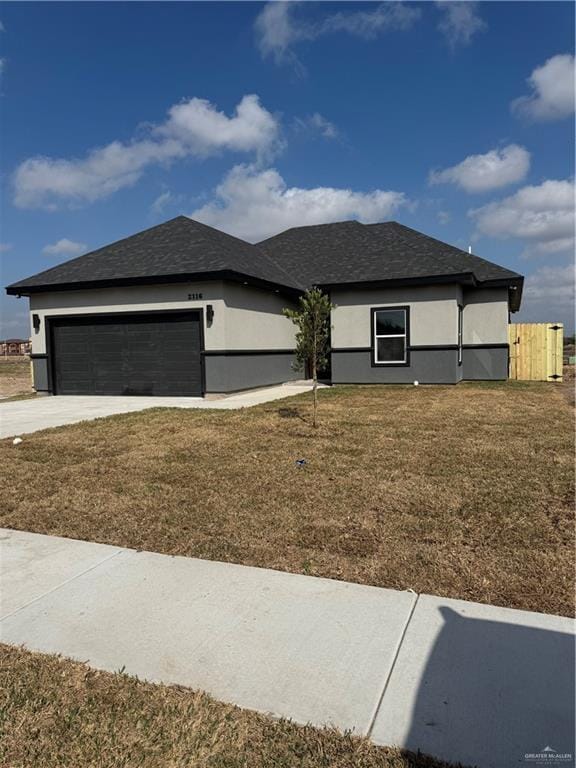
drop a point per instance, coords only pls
(129, 355)
(106, 352)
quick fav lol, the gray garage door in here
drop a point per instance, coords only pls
(151, 354)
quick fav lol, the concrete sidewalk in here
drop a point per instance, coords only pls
(461, 681)
(20, 417)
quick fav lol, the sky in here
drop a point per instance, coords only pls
(454, 118)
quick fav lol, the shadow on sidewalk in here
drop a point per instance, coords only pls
(496, 694)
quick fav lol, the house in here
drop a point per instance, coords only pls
(184, 309)
(10, 347)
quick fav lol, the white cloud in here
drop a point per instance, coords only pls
(161, 202)
(444, 217)
(277, 31)
(480, 173)
(199, 128)
(43, 182)
(254, 204)
(317, 123)
(323, 126)
(369, 24)
(279, 28)
(552, 85)
(460, 23)
(542, 216)
(560, 245)
(194, 128)
(548, 296)
(65, 247)
(554, 283)
(5, 247)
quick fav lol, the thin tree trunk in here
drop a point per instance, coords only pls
(314, 389)
(314, 377)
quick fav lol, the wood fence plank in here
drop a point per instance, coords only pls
(536, 351)
(556, 346)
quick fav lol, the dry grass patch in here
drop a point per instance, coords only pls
(57, 713)
(15, 376)
(569, 382)
(464, 491)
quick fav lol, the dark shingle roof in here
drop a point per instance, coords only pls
(325, 254)
(176, 248)
(350, 252)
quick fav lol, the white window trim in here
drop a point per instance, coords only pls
(404, 336)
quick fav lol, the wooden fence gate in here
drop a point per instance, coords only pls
(536, 351)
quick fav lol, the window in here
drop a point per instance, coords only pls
(460, 309)
(390, 336)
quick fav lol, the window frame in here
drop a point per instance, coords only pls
(373, 337)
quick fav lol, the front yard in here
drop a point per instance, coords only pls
(463, 491)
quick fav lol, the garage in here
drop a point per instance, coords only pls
(151, 353)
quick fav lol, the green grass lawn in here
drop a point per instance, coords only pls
(462, 491)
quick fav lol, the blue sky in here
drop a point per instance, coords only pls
(454, 118)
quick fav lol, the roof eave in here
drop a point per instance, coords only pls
(27, 290)
(514, 284)
(463, 278)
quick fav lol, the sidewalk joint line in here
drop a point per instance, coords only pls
(63, 584)
(389, 675)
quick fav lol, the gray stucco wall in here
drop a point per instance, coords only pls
(426, 367)
(433, 318)
(433, 334)
(249, 319)
(231, 373)
(433, 313)
(485, 363)
(223, 373)
(138, 298)
(485, 316)
(40, 374)
(254, 319)
(246, 318)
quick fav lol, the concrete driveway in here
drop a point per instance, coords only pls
(20, 417)
(465, 682)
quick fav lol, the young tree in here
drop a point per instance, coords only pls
(312, 319)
